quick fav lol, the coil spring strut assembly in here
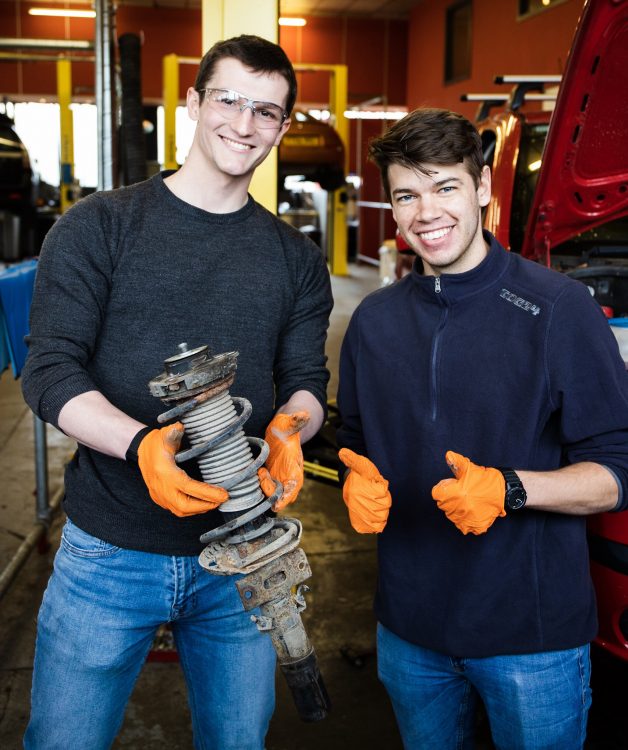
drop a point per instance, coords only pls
(251, 541)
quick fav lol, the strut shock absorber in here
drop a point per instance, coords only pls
(252, 541)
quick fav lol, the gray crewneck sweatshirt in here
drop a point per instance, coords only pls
(123, 278)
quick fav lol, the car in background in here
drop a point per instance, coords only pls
(313, 149)
(577, 222)
(560, 197)
(16, 174)
(17, 191)
(311, 160)
(28, 205)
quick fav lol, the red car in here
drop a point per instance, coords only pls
(578, 222)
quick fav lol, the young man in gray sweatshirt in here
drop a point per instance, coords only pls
(124, 277)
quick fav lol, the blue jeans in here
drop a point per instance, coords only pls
(533, 701)
(96, 625)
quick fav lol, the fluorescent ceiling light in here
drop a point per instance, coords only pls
(381, 114)
(356, 114)
(62, 12)
(292, 21)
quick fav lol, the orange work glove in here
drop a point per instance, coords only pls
(365, 493)
(285, 459)
(168, 485)
(474, 499)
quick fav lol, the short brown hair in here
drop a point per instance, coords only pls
(429, 136)
(255, 53)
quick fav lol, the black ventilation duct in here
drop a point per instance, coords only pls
(132, 139)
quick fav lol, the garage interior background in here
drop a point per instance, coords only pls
(399, 53)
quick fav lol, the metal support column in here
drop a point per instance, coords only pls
(105, 98)
(41, 470)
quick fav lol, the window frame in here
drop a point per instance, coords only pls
(537, 8)
(451, 76)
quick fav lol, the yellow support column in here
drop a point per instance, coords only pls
(171, 99)
(338, 248)
(223, 19)
(337, 231)
(64, 94)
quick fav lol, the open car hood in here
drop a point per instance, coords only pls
(583, 181)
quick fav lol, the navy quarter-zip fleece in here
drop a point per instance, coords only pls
(510, 364)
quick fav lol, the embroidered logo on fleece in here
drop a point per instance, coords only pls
(519, 302)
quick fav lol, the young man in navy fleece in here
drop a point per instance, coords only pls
(488, 367)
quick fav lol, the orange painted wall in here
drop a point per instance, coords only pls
(501, 45)
(402, 61)
(374, 50)
(164, 31)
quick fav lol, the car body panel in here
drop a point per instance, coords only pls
(16, 174)
(507, 133)
(573, 211)
(583, 181)
(611, 590)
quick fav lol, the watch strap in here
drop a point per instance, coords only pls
(514, 486)
(511, 476)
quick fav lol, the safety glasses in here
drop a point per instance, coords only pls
(230, 104)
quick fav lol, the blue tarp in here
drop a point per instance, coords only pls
(16, 293)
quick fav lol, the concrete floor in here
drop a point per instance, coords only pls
(338, 619)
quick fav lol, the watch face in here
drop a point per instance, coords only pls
(516, 498)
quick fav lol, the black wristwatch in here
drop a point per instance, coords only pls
(516, 496)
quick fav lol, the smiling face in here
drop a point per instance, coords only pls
(439, 214)
(232, 149)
